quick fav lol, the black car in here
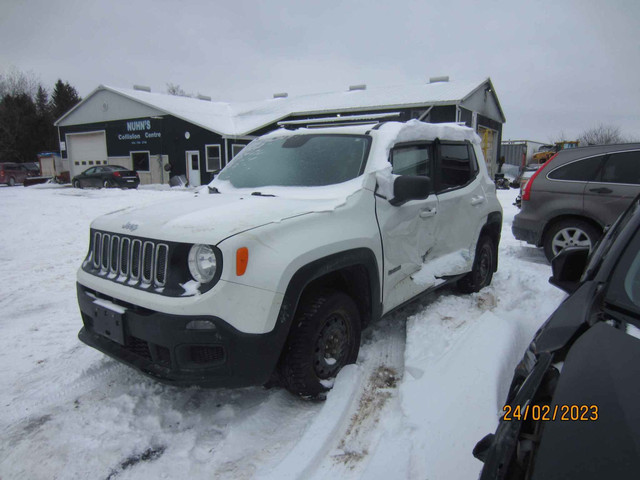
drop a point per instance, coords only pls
(573, 409)
(107, 176)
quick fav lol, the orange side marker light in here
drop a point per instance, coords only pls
(242, 260)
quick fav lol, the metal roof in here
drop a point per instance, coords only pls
(243, 118)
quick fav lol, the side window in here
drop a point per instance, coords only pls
(91, 171)
(457, 167)
(214, 159)
(236, 148)
(473, 160)
(579, 171)
(411, 160)
(622, 167)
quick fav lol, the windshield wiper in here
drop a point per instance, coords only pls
(260, 194)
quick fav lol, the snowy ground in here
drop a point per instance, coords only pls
(429, 381)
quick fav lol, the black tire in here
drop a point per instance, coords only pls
(12, 182)
(324, 337)
(76, 184)
(107, 184)
(569, 233)
(484, 264)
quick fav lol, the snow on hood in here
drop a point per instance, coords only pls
(209, 218)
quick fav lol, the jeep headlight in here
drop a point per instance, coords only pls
(202, 263)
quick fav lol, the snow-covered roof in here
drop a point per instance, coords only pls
(242, 118)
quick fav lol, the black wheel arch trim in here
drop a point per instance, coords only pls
(493, 228)
(321, 267)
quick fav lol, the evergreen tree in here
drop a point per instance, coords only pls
(18, 129)
(64, 98)
(45, 132)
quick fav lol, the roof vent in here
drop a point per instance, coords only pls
(280, 95)
(362, 86)
(142, 88)
(203, 97)
(439, 79)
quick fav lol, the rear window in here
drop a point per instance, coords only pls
(622, 167)
(585, 170)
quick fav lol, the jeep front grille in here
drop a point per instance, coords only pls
(130, 260)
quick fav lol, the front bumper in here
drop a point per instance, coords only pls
(160, 346)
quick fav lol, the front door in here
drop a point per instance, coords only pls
(409, 230)
(193, 168)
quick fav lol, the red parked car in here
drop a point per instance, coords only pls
(12, 173)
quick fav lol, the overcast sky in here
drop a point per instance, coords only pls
(557, 66)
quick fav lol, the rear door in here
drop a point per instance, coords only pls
(614, 188)
(462, 206)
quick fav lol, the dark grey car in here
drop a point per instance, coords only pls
(578, 192)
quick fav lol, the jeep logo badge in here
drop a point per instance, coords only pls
(130, 226)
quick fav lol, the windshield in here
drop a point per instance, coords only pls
(306, 160)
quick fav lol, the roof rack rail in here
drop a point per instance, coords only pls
(337, 121)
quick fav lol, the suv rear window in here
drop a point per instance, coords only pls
(622, 167)
(584, 170)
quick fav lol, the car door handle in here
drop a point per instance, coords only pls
(428, 212)
(601, 190)
(477, 200)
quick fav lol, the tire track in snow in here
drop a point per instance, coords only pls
(344, 431)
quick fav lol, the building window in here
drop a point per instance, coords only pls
(140, 161)
(84, 162)
(214, 163)
(236, 148)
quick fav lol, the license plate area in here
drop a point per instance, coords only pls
(108, 323)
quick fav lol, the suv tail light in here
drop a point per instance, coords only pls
(526, 194)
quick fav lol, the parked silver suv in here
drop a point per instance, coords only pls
(573, 196)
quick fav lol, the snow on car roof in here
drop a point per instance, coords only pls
(245, 117)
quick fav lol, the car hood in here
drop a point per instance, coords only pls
(208, 218)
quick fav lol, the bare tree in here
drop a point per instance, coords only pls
(175, 89)
(601, 135)
(14, 82)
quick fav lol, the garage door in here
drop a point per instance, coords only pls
(85, 150)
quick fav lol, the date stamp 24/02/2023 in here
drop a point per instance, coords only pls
(545, 413)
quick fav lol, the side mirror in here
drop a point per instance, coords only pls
(567, 267)
(409, 187)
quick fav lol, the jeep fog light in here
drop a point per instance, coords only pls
(202, 263)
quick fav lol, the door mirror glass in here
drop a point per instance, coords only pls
(568, 267)
(409, 187)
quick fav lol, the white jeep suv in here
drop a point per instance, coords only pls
(303, 239)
